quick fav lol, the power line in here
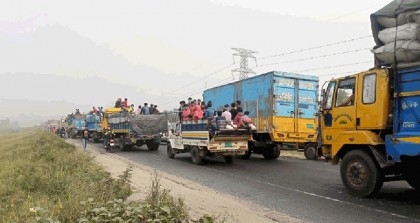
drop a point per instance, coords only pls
(315, 57)
(192, 83)
(227, 80)
(207, 76)
(352, 12)
(189, 93)
(342, 65)
(316, 47)
(347, 72)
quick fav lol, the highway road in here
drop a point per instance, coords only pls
(304, 189)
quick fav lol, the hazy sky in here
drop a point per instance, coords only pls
(88, 53)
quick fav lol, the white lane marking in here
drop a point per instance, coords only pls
(309, 193)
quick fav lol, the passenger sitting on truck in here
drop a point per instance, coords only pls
(186, 113)
(198, 113)
(246, 122)
(124, 103)
(217, 123)
(237, 119)
(155, 110)
(209, 111)
(118, 103)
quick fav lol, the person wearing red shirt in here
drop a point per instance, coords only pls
(124, 103)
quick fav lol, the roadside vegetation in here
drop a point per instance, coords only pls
(45, 179)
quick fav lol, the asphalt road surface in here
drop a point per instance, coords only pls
(304, 189)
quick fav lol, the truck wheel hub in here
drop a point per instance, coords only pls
(356, 174)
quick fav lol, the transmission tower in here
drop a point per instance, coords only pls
(243, 69)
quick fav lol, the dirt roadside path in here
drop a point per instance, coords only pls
(199, 199)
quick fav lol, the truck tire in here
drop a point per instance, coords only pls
(412, 176)
(248, 153)
(310, 151)
(229, 159)
(273, 153)
(151, 145)
(195, 156)
(414, 183)
(170, 151)
(360, 174)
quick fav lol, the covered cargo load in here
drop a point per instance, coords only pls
(135, 129)
(396, 31)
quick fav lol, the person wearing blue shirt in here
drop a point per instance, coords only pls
(209, 110)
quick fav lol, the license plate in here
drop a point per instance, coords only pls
(112, 144)
(228, 144)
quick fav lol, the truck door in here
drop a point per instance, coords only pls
(307, 106)
(374, 96)
(285, 103)
(339, 109)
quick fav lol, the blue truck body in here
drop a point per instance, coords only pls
(282, 105)
(405, 140)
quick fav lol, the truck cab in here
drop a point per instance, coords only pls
(196, 138)
(360, 124)
(355, 111)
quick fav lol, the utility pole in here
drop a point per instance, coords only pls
(243, 69)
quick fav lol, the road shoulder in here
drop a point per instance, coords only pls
(199, 199)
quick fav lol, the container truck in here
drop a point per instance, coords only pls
(281, 105)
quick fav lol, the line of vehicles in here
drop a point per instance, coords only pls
(368, 122)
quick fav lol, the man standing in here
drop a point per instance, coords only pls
(234, 110)
(155, 110)
(145, 110)
(138, 111)
(85, 137)
(181, 108)
(151, 109)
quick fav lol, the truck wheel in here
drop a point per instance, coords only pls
(195, 156)
(273, 153)
(152, 145)
(414, 183)
(170, 151)
(310, 151)
(412, 177)
(360, 174)
(248, 153)
(229, 159)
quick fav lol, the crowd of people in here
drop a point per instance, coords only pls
(145, 110)
(232, 117)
